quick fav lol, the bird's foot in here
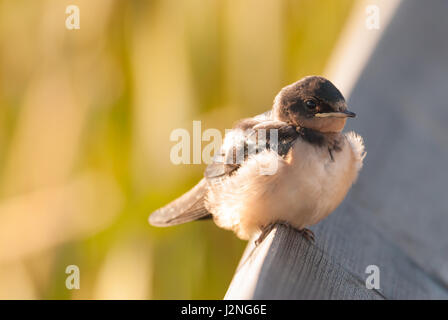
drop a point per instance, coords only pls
(307, 234)
(265, 230)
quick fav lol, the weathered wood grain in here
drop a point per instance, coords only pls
(395, 217)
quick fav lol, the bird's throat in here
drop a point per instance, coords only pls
(320, 139)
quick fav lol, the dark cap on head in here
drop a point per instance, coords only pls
(312, 102)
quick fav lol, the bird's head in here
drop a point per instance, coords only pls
(314, 103)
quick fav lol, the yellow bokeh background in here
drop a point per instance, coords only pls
(85, 120)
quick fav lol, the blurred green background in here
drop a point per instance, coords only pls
(85, 120)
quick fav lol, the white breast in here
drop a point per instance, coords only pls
(307, 186)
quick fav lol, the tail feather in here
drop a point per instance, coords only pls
(186, 208)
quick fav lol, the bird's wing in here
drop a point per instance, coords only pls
(233, 153)
(188, 207)
(286, 136)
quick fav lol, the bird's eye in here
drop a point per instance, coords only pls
(310, 104)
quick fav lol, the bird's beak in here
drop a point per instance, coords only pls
(342, 114)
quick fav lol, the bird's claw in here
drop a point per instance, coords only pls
(306, 233)
(264, 232)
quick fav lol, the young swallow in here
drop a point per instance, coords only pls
(315, 162)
